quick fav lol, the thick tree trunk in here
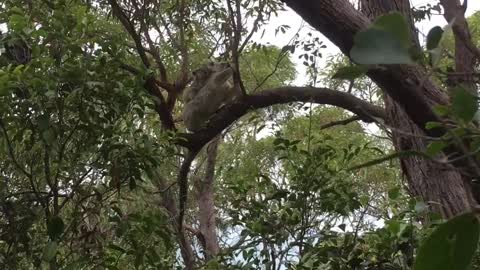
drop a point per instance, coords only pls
(205, 200)
(431, 181)
(407, 86)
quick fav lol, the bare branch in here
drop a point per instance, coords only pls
(117, 11)
(10, 151)
(261, 5)
(236, 22)
(340, 122)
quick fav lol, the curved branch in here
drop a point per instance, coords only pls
(182, 180)
(282, 95)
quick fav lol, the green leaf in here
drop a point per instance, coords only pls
(290, 48)
(376, 47)
(43, 122)
(117, 248)
(17, 22)
(350, 73)
(50, 251)
(435, 147)
(393, 226)
(421, 207)
(441, 110)
(464, 104)
(49, 136)
(394, 193)
(55, 227)
(433, 125)
(395, 24)
(433, 37)
(132, 184)
(387, 41)
(451, 246)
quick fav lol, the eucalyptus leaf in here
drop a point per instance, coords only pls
(50, 251)
(464, 104)
(55, 227)
(433, 37)
(350, 72)
(451, 246)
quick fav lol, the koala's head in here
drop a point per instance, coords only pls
(205, 71)
(218, 66)
(201, 74)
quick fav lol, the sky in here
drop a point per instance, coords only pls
(295, 21)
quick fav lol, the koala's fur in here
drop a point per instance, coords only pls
(211, 88)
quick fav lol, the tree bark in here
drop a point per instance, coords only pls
(205, 201)
(431, 181)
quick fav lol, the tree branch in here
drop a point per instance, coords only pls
(282, 95)
(150, 82)
(117, 11)
(340, 122)
(182, 180)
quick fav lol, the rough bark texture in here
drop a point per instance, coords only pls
(205, 201)
(428, 180)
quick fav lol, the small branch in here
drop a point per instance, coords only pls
(154, 52)
(236, 21)
(341, 122)
(261, 5)
(134, 71)
(117, 11)
(10, 150)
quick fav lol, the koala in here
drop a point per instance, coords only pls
(211, 89)
(200, 77)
